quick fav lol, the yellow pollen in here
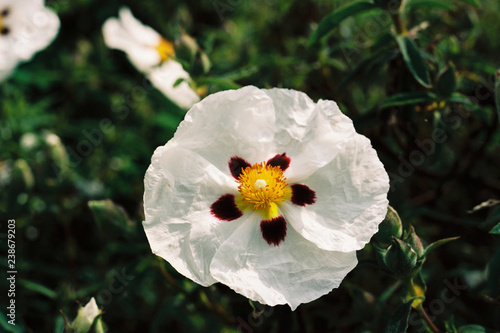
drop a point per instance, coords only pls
(262, 188)
(165, 49)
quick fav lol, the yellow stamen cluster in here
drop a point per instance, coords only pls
(165, 49)
(262, 188)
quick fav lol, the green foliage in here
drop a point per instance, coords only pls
(79, 124)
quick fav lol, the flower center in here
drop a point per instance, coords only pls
(263, 187)
(165, 49)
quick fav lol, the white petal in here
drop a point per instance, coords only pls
(180, 187)
(311, 134)
(32, 28)
(118, 37)
(164, 78)
(294, 272)
(351, 199)
(140, 32)
(234, 122)
(7, 62)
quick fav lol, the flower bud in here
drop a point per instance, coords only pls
(400, 258)
(85, 317)
(389, 227)
(414, 241)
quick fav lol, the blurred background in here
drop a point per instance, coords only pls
(79, 125)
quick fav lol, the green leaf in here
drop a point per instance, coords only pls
(495, 230)
(497, 94)
(332, 20)
(414, 61)
(450, 325)
(399, 321)
(446, 83)
(474, 329)
(438, 243)
(409, 98)
(430, 3)
(4, 323)
(459, 98)
(38, 288)
(475, 3)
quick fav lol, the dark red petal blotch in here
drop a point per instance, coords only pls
(280, 160)
(302, 195)
(237, 165)
(225, 208)
(274, 230)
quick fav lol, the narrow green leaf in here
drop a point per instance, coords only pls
(450, 325)
(399, 321)
(414, 61)
(459, 98)
(409, 98)
(38, 288)
(430, 3)
(332, 20)
(446, 83)
(438, 243)
(475, 3)
(495, 230)
(497, 94)
(4, 323)
(474, 329)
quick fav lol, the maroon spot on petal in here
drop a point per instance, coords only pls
(280, 160)
(273, 230)
(237, 165)
(225, 208)
(302, 195)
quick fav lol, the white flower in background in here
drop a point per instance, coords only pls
(267, 192)
(151, 54)
(26, 27)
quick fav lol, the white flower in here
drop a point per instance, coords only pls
(26, 27)
(151, 54)
(267, 192)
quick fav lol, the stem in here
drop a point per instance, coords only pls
(428, 320)
(398, 23)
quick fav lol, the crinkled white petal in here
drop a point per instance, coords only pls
(294, 272)
(180, 187)
(234, 122)
(282, 121)
(117, 36)
(311, 134)
(165, 76)
(32, 27)
(351, 199)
